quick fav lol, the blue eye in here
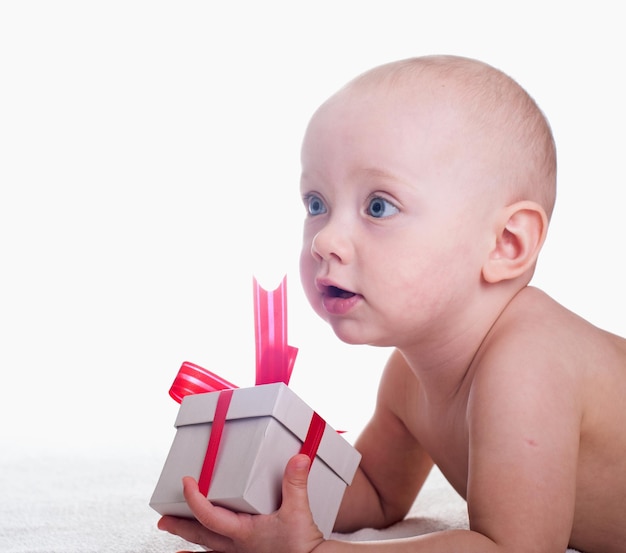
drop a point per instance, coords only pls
(315, 205)
(379, 208)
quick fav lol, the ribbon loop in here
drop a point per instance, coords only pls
(274, 357)
(193, 379)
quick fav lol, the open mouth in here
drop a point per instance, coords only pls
(335, 292)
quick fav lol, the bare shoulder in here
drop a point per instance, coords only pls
(563, 362)
(536, 328)
(545, 416)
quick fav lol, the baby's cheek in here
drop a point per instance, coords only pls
(307, 278)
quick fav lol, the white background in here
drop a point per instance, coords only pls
(149, 167)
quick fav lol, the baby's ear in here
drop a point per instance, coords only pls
(519, 236)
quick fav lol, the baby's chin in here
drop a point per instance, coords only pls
(348, 333)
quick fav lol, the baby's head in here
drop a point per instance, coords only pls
(477, 114)
(427, 178)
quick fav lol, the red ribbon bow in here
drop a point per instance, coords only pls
(274, 363)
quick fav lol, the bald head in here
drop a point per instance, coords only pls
(494, 116)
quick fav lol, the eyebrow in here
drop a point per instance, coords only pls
(384, 176)
(374, 172)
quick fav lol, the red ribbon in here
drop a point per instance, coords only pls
(219, 419)
(313, 437)
(274, 363)
(274, 358)
(193, 379)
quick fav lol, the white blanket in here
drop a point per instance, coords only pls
(99, 503)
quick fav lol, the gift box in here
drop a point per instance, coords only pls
(237, 442)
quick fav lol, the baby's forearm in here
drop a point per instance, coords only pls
(450, 541)
(361, 507)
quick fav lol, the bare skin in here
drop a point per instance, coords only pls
(412, 242)
(546, 436)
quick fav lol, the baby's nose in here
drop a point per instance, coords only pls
(332, 242)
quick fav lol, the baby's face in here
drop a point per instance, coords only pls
(396, 227)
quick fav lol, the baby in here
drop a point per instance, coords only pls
(429, 184)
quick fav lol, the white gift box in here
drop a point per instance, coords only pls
(265, 426)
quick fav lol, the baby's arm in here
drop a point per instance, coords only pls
(394, 466)
(523, 429)
(291, 529)
(524, 422)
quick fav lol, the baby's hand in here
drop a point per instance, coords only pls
(291, 529)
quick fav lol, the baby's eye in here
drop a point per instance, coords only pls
(379, 208)
(314, 205)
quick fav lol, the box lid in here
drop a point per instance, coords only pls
(278, 401)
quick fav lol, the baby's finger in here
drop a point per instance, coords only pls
(295, 494)
(192, 531)
(217, 519)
